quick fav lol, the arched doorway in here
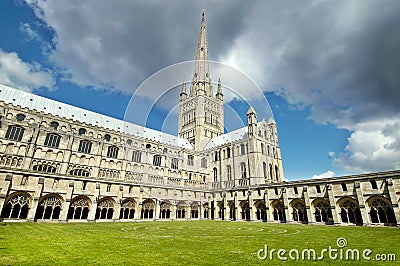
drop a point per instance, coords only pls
(105, 209)
(16, 206)
(49, 207)
(350, 211)
(127, 210)
(79, 208)
(278, 211)
(299, 211)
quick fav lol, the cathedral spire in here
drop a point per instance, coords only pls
(201, 83)
(183, 94)
(219, 94)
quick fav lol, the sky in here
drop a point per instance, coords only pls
(329, 69)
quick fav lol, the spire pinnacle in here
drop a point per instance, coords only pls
(219, 94)
(201, 83)
(183, 91)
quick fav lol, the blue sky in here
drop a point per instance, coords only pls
(329, 69)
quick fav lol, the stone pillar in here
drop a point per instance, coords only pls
(286, 206)
(393, 199)
(137, 213)
(201, 210)
(173, 212)
(267, 206)
(4, 189)
(215, 209)
(140, 204)
(92, 212)
(36, 197)
(226, 212)
(157, 209)
(189, 208)
(333, 204)
(118, 203)
(310, 216)
(361, 203)
(237, 214)
(65, 208)
(253, 215)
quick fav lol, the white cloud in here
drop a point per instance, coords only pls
(373, 146)
(327, 174)
(16, 73)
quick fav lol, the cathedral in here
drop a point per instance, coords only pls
(62, 163)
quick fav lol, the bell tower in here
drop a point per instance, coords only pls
(201, 115)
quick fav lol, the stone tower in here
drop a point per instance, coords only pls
(201, 114)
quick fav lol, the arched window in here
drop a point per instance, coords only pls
(54, 125)
(157, 160)
(20, 117)
(215, 174)
(279, 211)
(79, 208)
(262, 148)
(276, 173)
(323, 211)
(265, 170)
(350, 211)
(15, 133)
(112, 152)
(228, 152)
(105, 209)
(16, 207)
(127, 210)
(344, 187)
(47, 168)
(229, 172)
(82, 131)
(49, 208)
(85, 146)
(299, 211)
(242, 149)
(270, 171)
(52, 140)
(107, 137)
(381, 211)
(80, 172)
(318, 188)
(243, 170)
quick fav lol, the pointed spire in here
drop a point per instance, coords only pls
(183, 94)
(201, 83)
(219, 94)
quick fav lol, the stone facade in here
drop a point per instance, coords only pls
(62, 163)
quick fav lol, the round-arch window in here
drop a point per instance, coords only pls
(148, 146)
(20, 117)
(165, 150)
(129, 142)
(82, 131)
(107, 137)
(54, 125)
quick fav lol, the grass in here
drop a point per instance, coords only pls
(180, 243)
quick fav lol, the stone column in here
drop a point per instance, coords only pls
(333, 204)
(36, 197)
(68, 197)
(173, 212)
(226, 212)
(137, 213)
(157, 209)
(361, 203)
(189, 209)
(118, 203)
(310, 216)
(4, 189)
(253, 215)
(267, 206)
(237, 216)
(140, 204)
(201, 210)
(286, 206)
(393, 199)
(92, 212)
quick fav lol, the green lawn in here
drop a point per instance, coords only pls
(181, 243)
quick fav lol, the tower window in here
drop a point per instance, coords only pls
(15, 133)
(136, 156)
(52, 140)
(54, 125)
(107, 137)
(112, 152)
(242, 149)
(344, 187)
(85, 146)
(157, 160)
(190, 159)
(20, 117)
(82, 131)
(174, 163)
(243, 170)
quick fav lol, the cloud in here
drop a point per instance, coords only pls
(373, 146)
(25, 76)
(327, 174)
